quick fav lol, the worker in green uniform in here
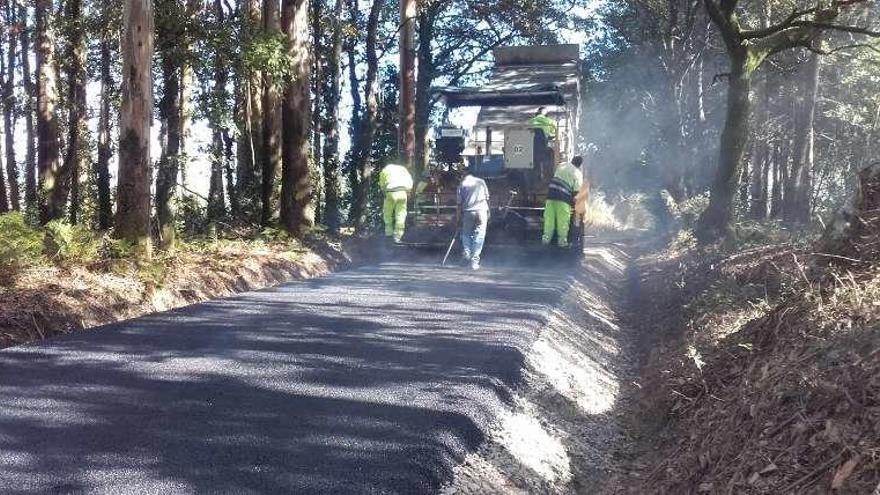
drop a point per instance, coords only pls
(566, 183)
(544, 123)
(396, 182)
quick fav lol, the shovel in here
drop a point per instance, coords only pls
(451, 245)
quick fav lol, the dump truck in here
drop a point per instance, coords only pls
(516, 161)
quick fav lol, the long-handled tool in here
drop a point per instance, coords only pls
(451, 245)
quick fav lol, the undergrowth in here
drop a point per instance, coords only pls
(24, 246)
(767, 377)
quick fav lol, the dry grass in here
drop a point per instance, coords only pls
(50, 299)
(763, 372)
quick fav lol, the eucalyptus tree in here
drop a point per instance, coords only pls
(47, 120)
(747, 50)
(297, 203)
(135, 119)
(10, 12)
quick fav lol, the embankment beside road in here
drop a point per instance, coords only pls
(561, 432)
(44, 301)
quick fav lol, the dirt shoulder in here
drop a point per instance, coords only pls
(44, 301)
(562, 430)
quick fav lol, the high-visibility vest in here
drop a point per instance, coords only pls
(544, 123)
(395, 178)
(566, 183)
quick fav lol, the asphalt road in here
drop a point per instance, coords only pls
(376, 380)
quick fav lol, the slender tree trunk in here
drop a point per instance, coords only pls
(356, 101)
(69, 175)
(229, 164)
(30, 162)
(297, 209)
(170, 112)
(187, 80)
(318, 115)
(744, 185)
(9, 104)
(105, 150)
(761, 160)
(135, 117)
(407, 131)
(776, 192)
(798, 189)
(364, 142)
(271, 159)
(216, 200)
(249, 93)
(47, 122)
(715, 222)
(424, 80)
(332, 184)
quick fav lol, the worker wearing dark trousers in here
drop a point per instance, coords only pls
(565, 185)
(473, 208)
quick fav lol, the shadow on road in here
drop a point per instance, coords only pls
(378, 379)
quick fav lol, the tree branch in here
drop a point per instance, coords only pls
(729, 32)
(837, 27)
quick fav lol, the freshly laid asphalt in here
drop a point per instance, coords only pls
(375, 380)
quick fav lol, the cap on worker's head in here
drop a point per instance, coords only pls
(577, 161)
(542, 110)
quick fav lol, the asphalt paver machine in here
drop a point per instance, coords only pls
(516, 161)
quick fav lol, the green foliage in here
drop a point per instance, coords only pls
(268, 54)
(20, 244)
(71, 242)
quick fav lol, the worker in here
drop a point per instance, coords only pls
(544, 123)
(473, 213)
(566, 183)
(396, 182)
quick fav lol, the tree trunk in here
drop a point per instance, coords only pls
(105, 150)
(761, 161)
(356, 101)
(9, 111)
(715, 222)
(423, 97)
(407, 130)
(47, 122)
(332, 184)
(170, 111)
(30, 162)
(271, 159)
(250, 140)
(368, 124)
(228, 164)
(318, 115)
(69, 175)
(776, 192)
(798, 188)
(135, 117)
(297, 209)
(187, 81)
(216, 200)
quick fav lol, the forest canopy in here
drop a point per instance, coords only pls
(153, 119)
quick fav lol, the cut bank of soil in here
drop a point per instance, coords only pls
(50, 300)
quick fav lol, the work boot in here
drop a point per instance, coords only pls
(475, 265)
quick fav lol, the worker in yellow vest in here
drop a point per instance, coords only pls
(544, 123)
(566, 184)
(396, 182)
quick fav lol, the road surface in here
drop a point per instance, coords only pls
(375, 380)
